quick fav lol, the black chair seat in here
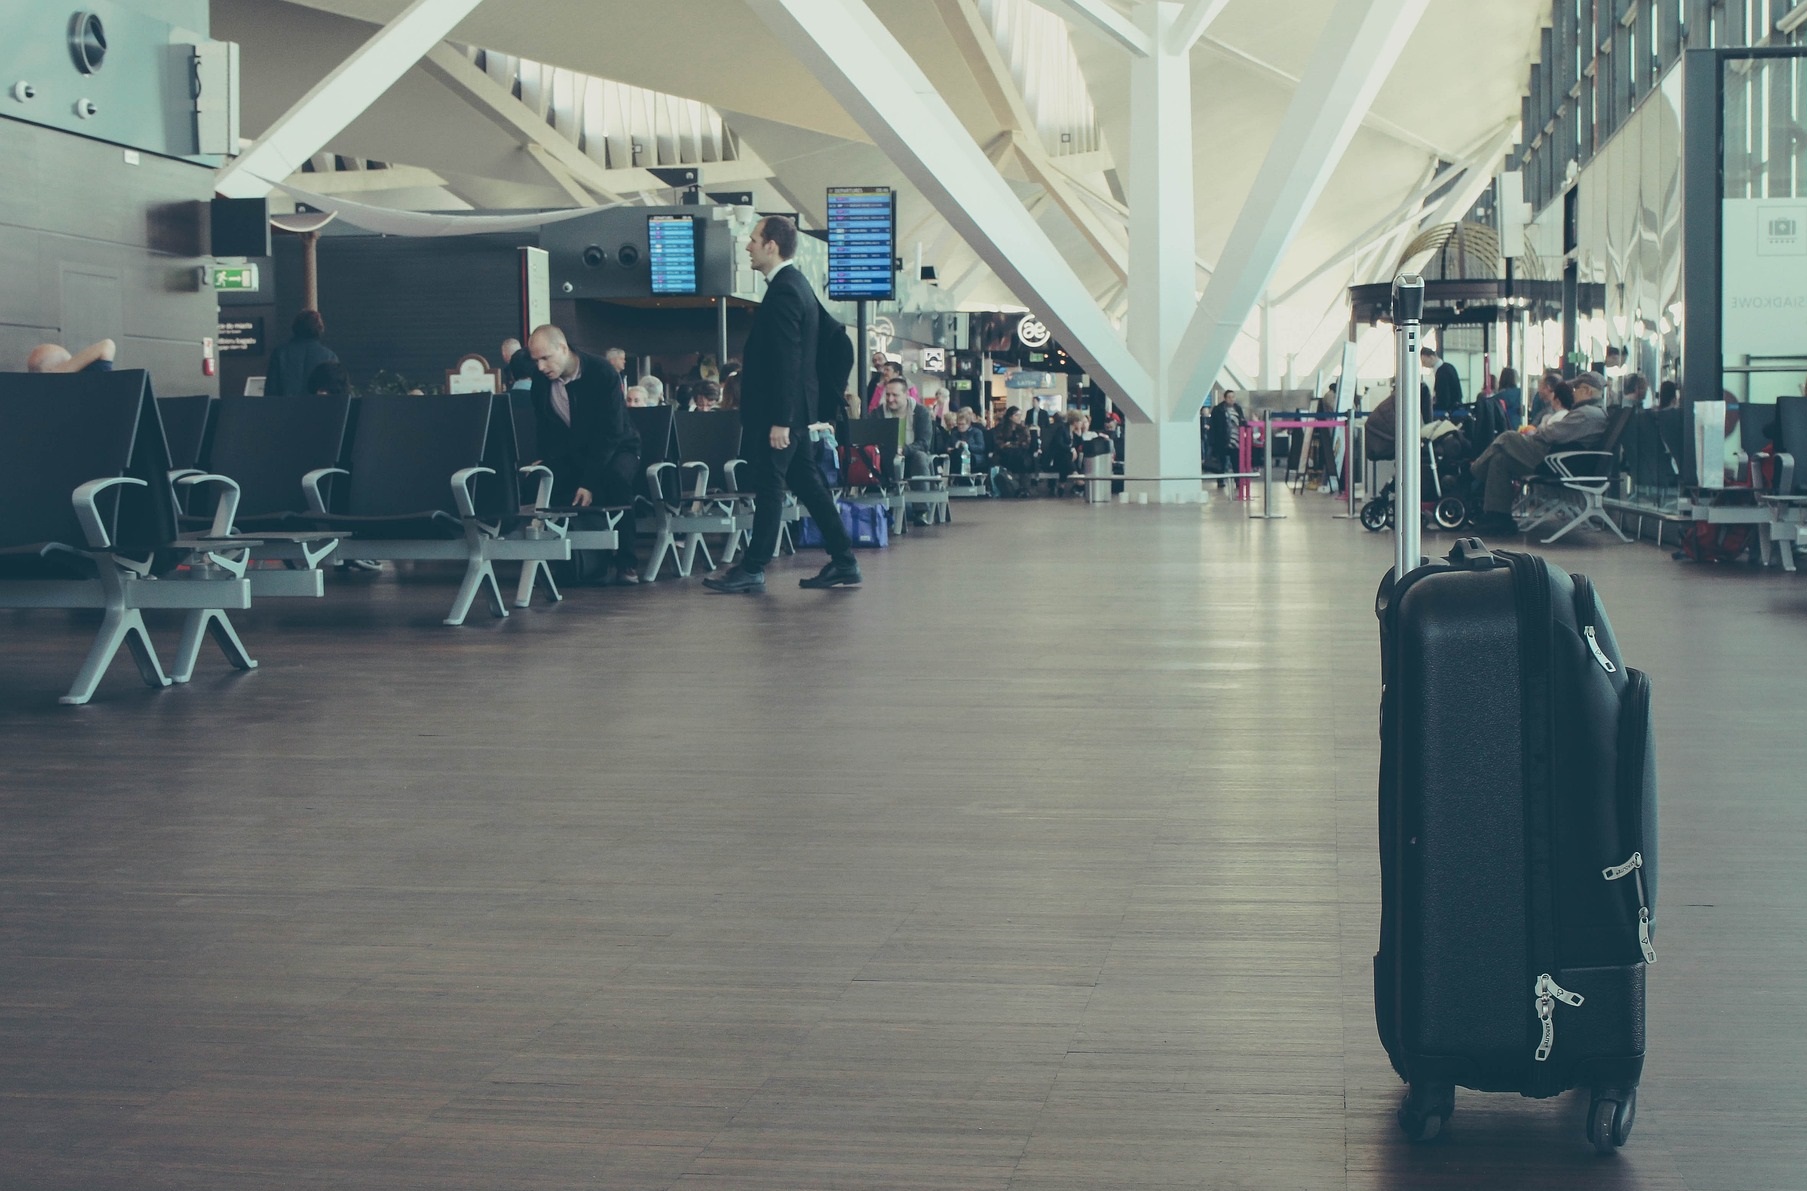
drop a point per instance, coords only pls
(46, 560)
(432, 523)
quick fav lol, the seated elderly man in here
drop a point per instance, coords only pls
(1513, 455)
(54, 357)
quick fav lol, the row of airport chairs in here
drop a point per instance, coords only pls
(113, 499)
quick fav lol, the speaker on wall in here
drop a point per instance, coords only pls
(241, 227)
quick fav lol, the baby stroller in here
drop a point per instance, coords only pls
(1445, 482)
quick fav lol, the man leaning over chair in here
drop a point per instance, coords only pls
(1513, 456)
(588, 441)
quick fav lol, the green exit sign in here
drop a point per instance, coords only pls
(239, 277)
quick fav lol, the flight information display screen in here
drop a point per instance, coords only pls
(862, 243)
(671, 252)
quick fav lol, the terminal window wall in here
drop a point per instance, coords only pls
(1763, 231)
(1600, 59)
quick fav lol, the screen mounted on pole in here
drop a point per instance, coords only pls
(862, 243)
(672, 251)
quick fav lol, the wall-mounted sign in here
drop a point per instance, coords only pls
(241, 337)
(236, 277)
(862, 243)
(934, 359)
(1033, 332)
(473, 375)
(1034, 380)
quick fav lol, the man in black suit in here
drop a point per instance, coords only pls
(587, 439)
(779, 394)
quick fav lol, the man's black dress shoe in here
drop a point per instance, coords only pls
(835, 574)
(738, 582)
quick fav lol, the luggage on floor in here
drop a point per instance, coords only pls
(1517, 841)
(868, 525)
(865, 524)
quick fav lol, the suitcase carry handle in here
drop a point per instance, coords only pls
(1471, 554)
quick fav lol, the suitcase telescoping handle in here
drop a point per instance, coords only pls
(1408, 314)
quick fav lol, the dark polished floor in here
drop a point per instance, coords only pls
(1044, 862)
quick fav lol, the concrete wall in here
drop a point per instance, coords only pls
(94, 247)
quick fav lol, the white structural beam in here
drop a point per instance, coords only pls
(1481, 163)
(973, 38)
(341, 97)
(1100, 16)
(1379, 124)
(1191, 24)
(838, 40)
(546, 143)
(1163, 225)
(1361, 42)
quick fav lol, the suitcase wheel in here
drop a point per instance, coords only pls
(1610, 1116)
(1425, 1110)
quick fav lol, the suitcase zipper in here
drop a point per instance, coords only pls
(1635, 868)
(1593, 643)
(1548, 992)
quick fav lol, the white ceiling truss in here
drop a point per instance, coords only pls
(571, 102)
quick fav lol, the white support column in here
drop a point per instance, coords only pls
(1361, 42)
(1162, 248)
(1163, 219)
(838, 41)
(341, 97)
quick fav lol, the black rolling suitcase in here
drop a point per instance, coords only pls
(1517, 841)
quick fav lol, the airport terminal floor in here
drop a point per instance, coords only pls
(1044, 862)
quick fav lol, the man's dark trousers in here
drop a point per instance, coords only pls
(796, 466)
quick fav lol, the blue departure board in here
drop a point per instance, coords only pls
(862, 243)
(671, 251)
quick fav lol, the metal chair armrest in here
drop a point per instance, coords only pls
(544, 473)
(225, 507)
(310, 486)
(462, 494)
(86, 499)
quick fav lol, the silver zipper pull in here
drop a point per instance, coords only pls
(1548, 992)
(1625, 870)
(1631, 867)
(1547, 987)
(1593, 643)
(1546, 1013)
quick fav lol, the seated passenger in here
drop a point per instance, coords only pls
(969, 430)
(916, 425)
(54, 357)
(1513, 455)
(1015, 454)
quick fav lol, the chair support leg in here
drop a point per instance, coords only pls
(197, 626)
(532, 571)
(479, 574)
(120, 626)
